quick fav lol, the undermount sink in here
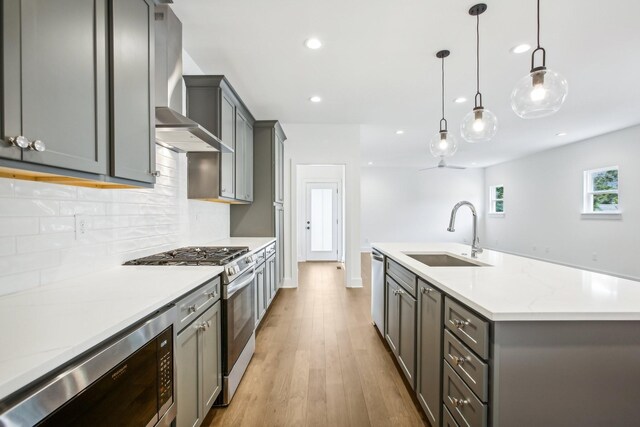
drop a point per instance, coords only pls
(444, 260)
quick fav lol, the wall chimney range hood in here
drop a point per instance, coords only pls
(174, 130)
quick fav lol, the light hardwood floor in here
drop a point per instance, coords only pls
(320, 362)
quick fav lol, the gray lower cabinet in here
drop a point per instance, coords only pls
(261, 279)
(77, 81)
(429, 352)
(198, 361)
(401, 328)
(272, 281)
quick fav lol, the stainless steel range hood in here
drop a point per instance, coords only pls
(173, 130)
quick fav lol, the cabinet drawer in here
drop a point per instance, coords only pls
(465, 407)
(447, 418)
(271, 250)
(469, 328)
(259, 256)
(473, 371)
(404, 277)
(192, 305)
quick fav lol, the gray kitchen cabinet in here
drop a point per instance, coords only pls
(244, 158)
(261, 278)
(401, 327)
(77, 81)
(279, 164)
(272, 280)
(429, 351)
(132, 94)
(198, 361)
(55, 82)
(279, 262)
(212, 102)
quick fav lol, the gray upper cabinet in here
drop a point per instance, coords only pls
(132, 98)
(77, 82)
(212, 102)
(429, 351)
(279, 166)
(228, 136)
(55, 82)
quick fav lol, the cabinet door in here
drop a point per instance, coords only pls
(274, 282)
(279, 247)
(429, 351)
(407, 348)
(241, 126)
(55, 81)
(132, 99)
(211, 356)
(279, 166)
(188, 391)
(227, 134)
(248, 164)
(392, 324)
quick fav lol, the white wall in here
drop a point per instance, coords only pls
(405, 205)
(37, 237)
(324, 144)
(318, 173)
(543, 202)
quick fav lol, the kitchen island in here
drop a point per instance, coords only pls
(512, 341)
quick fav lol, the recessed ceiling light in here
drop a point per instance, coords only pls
(313, 43)
(521, 48)
(399, 132)
(460, 100)
(473, 163)
(315, 99)
(370, 163)
(561, 134)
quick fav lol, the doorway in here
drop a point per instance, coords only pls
(320, 213)
(322, 222)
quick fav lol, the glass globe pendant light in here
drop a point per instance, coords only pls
(443, 144)
(480, 124)
(543, 91)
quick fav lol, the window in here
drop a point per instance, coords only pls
(601, 191)
(496, 199)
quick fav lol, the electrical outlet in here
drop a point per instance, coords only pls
(81, 226)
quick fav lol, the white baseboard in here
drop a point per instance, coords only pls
(355, 282)
(288, 283)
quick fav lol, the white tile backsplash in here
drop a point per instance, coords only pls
(38, 243)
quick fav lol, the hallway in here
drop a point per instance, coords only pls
(320, 362)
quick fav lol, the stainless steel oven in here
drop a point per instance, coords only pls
(238, 330)
(127, 382)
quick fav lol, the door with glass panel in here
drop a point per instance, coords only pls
(322, 221)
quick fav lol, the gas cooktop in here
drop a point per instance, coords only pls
(193, 255)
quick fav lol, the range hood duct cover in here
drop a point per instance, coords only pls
(173, 130)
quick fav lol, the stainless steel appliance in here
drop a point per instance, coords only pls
(238, 316)
(127, 382)
(377, 290)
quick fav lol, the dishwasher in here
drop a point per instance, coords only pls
(377, 290)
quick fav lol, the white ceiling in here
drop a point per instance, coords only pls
(377, 67)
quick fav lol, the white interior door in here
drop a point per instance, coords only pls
(322, 221)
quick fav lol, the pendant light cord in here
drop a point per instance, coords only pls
(443, 120)
(538, 48)
(478, 94)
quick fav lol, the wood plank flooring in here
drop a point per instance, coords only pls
(320, 362)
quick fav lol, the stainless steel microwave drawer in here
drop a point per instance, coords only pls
(465, 407)
(195, 303)
(404, 277)
(467, 327)
(473, 370)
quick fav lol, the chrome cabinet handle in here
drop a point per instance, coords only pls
(459, 361)
(200, 328)
(460, 324)
(20, 141)
(210, 295)
(192, 308)
(426, 290)
(38, 146)
(155, 173)
(459, 403)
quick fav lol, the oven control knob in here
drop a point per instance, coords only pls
(231, 271)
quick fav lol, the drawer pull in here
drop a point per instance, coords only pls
(460, 324)
(459, 403)
(426, 290)
(398, 292)
(459, 361)
(211, 294)
(192, 308)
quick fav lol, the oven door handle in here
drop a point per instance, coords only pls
(232, 290)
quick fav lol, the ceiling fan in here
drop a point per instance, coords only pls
(442, 164)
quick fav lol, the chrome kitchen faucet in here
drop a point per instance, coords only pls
(475, 245)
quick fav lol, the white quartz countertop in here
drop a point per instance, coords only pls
(44, 328)
(515, 288)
